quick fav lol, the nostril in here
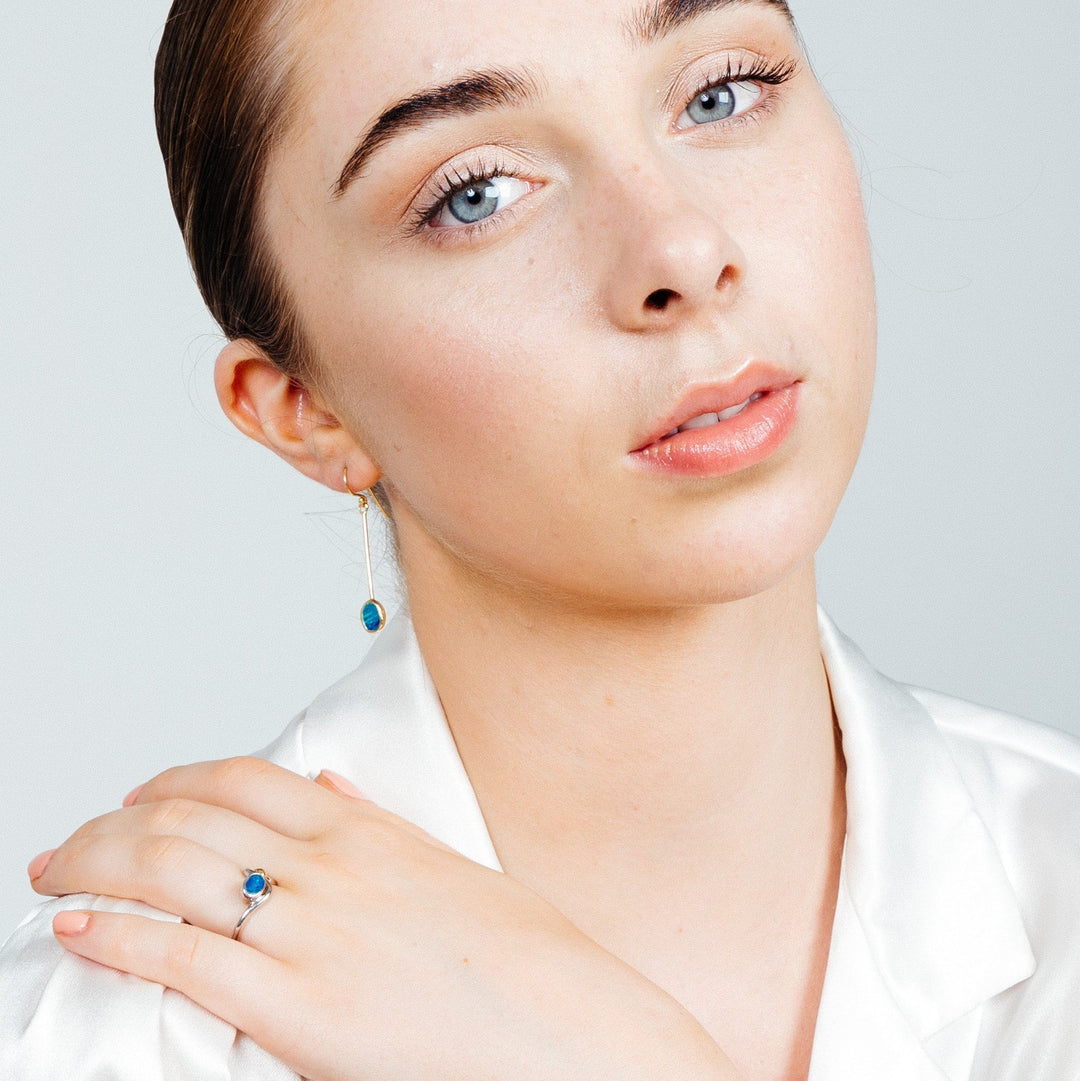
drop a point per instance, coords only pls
(660, 299)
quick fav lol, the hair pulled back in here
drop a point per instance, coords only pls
(222, 86)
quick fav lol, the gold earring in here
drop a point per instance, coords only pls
(372, 615)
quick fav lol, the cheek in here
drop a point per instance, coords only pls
(816, 223)
(824, 281)
(458, 393)
(810, 278)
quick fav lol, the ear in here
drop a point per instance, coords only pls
(291, 420)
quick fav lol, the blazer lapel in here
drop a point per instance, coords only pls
(927, 925)
(382, 727)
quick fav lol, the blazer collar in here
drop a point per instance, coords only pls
(927, 919)
(921, 876)
(383, 728)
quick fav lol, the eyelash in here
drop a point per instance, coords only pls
(762, 71)
(770, 72)
(448, 183)
(455, 179)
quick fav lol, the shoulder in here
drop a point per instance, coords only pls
(65, 1017)
(1024, 781)
(976, 726)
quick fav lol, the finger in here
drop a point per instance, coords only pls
(340, 786)
(275, 797)
(238, 984)
(172, 874)
(244, 842)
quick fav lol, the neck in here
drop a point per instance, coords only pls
(629, 722)
(670, 781)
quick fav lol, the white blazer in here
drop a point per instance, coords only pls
(955, 951)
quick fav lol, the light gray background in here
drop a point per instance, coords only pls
(171, 592)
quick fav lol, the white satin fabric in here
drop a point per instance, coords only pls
(955, 951)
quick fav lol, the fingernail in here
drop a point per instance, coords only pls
(38, 865)
(346, 788)
(70, 923)
(133, 795)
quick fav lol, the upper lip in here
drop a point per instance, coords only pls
(754, 378)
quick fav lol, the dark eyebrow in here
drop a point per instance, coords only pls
(475, 92)
(661, 17)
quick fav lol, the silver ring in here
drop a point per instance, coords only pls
(255, 890)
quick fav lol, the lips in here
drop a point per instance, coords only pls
(722, 428)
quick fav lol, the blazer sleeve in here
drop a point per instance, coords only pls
(62, 1016)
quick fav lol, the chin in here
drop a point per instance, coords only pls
(751, 544)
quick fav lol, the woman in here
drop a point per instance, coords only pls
(597, 276)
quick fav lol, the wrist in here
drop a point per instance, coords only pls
(627, 1028)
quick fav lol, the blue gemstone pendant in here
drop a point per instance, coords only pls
(374, 617)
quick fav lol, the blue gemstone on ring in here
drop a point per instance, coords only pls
(254, 885)
(373, 616)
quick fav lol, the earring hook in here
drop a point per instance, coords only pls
(361, 495)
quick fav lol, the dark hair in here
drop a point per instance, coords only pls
(222, 100)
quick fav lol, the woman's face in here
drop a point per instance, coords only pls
(577, 227)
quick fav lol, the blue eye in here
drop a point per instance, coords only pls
(720, 101)
(479, 200)
(716, 104)
(476, 199)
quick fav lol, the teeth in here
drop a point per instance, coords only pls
(704, 421)
(735, 410)
(707, 419)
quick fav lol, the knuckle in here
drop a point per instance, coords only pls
(73, 862)
(166, 781)
(114, 939)
(75, 849)
(380, 844)
(94, 827)
(230, 772)
(182, 950)
(163, 853)
(169, 815)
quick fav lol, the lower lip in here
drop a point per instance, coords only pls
(729, 446)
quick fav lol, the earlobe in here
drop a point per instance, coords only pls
(277, 411)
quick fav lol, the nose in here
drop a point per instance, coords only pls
(672, 258)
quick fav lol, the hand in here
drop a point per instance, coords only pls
(380, 955)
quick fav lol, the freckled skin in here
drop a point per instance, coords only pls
(498, 384)
(658, 772)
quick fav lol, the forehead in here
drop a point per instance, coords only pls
(357, 57)
(400, 42)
